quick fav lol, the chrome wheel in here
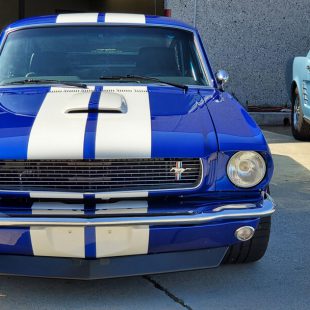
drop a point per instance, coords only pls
(300, 128)
(297, 108)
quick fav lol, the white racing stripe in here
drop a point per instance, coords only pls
(125, 135)
(121, 195)
(56, 195)
(70, 241)
(73, 195)
(58, 241)
(77, 18)
(122, 207)
(123, 240)
(56, 134)
(56, 208)
(123, 18)
(59, 135)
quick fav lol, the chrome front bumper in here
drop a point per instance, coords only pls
(224, 212)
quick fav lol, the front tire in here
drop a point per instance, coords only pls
(252, 250)
(300, 128)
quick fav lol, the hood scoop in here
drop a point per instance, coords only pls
(108, 103)
(81, 111)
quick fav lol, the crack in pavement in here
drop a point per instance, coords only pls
(169, 294)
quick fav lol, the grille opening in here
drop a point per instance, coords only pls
(106, 175)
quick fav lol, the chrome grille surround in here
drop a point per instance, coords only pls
(99, 176)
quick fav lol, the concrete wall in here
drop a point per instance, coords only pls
(255, 40)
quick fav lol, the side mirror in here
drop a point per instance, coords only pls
(222, 78)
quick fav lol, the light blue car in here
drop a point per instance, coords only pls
(300, 118)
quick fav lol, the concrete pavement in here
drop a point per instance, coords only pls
(281, 280)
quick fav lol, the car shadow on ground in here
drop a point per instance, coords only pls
(279, 135)
(283, 130)
(279, 281)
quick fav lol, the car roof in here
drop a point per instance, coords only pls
(99, 18)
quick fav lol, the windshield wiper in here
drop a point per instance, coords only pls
(45, 81)
(140, 77)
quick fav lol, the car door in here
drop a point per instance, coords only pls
(301, 75)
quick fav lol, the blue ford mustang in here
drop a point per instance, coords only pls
(121, 154)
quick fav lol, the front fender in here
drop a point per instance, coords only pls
(235, 128)
(236, 131)
(300, 70)
(301, 80)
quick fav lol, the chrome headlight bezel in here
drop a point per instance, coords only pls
(255, 160)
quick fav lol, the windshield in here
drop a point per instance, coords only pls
(88, 53)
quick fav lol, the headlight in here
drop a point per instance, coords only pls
(246, 169)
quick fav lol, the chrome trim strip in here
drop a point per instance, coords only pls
(266, 208)
(202, 61)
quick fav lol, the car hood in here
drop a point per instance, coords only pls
(105, 122)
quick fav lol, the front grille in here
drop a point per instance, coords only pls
(100, 175)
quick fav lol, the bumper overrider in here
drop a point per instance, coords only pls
(174, 242)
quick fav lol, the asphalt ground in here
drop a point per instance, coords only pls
(281, 280)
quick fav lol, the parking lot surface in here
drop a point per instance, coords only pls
(281, 280)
